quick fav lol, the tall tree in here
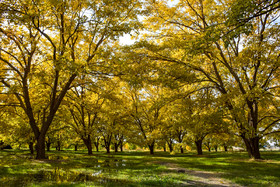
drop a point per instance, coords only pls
(47, 44)
(242, 66)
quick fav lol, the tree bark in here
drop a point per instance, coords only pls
(170, 146)
(252, 146)
(198, 144)
(96, 144)
(31, 148)
(207, 144)
(252, 141)
(58, 148)
(121, 146)
(107, 142)
(76, 147)
(180, 138)
(182, 149)
(107, 148)
(151, 147)
(164, 148)
(40, 147)
(225, 147)
(216, 148)
(116, 146)
(87, 142)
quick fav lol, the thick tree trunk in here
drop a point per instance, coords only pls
(252, 143)
(40, 148)
(107, 148)
(225, 147)
(87, 142)
(252, 146)
(116, 146)
(76, 147)
(198, 144)
(164, 148)
(31, 148)
(89, 147)
(151, 147)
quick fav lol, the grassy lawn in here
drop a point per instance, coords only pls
(69, 168)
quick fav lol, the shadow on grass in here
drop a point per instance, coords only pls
(47, 178)
(69, 168)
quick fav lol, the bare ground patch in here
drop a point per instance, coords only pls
(202, 178)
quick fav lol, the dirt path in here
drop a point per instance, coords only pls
(201, 178)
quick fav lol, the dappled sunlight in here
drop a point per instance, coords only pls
(138, 168)
(139, 93)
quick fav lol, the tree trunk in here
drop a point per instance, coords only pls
(252, 143)
(198, 144)
(76, 147)
(182, 149)
(180, 138)
(164, 148)
(48, 146)
(121, 146)
(107, 148)
(89, 147)
(107, 142)
(40, 147)
(58, 145)
(207, 144)
(31, 148)
(252, 146)
(225, 147)
(170, 144)
(216, 148)
(116, 146)
(151, 147)
(96, 144)
(170, 147)
(87, 142)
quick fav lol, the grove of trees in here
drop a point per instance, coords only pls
(200, 73)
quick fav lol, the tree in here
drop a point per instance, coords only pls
(201, 116)
(84, 106)
(147, 108)
(46, 45)
(241, 66)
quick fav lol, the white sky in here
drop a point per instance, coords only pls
(126, 39)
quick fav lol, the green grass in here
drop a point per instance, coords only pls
(69, 168)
